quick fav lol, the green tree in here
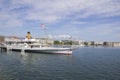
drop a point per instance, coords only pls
(104, 43)
(57, 42)
(86, 43)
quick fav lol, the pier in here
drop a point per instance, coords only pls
(2, 48)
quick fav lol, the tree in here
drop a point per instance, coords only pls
(57, 42)
(104, 43)
(92, 43)
(86, 43)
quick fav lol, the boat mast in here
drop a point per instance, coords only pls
(44, 27)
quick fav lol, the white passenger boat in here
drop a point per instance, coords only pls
(34, 46)
(39, 48)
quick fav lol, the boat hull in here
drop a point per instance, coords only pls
(17, 50)
(49, 51)
(44, 50)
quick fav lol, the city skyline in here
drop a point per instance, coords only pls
(82, 19)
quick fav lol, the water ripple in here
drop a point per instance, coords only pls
(84, 64)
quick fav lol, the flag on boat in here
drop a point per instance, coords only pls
(42, 26)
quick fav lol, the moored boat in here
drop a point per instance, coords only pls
(44, 50)
(38, 48)
(34, 46)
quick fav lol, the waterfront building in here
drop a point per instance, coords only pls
(12, 39)
(2, 38)
(112, 44)
(45, 40)
(98, 43)
(116, 44)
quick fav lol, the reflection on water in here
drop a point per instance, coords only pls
(84, 64)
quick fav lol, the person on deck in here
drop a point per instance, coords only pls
(28, 36)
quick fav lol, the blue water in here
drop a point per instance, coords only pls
(84, 64)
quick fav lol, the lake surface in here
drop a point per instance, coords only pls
(83, 64)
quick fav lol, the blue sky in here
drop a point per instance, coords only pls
(97, 20)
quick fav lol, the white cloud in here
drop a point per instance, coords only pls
(103, 32)
(9, 20)
(55, 10)
(78, 22)
(71, 11)
(62, 36)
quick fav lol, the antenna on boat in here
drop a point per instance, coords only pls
(43, 27)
